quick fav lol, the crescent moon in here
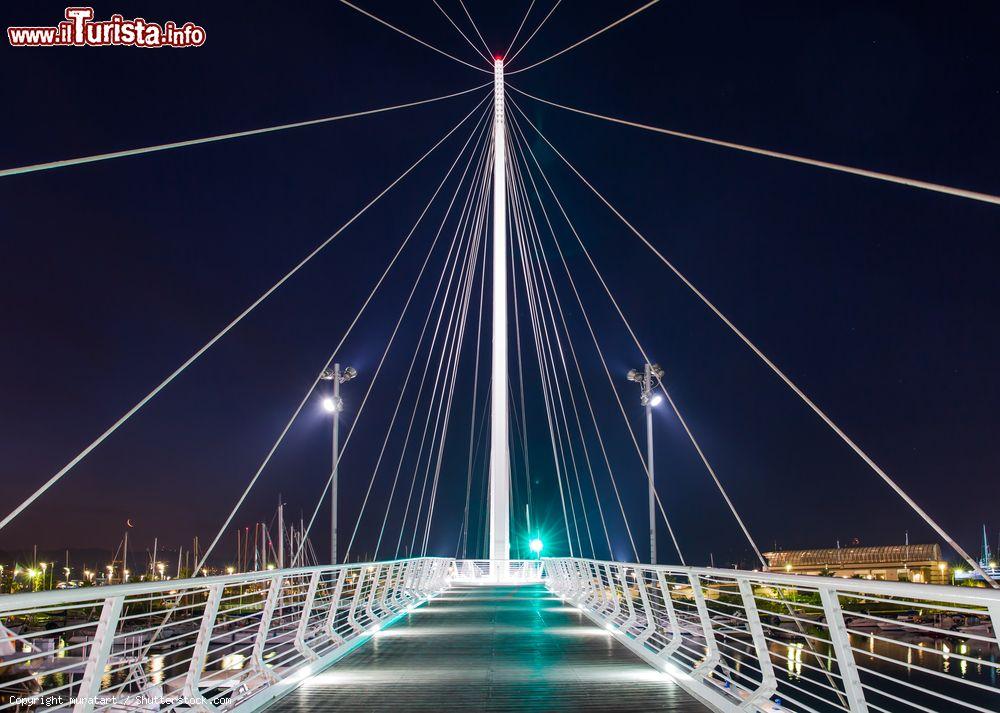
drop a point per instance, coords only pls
(129, 522)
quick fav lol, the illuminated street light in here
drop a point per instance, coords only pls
(536, 546)
(334, 404)
(649, 399)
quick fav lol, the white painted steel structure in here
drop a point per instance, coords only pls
(722, 635)
(497, 571)
(240, 641)
(499, 434)
(210, 643)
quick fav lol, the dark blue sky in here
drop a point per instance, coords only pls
(879, 300)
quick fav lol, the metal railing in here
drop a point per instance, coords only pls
(497, 571)
(232, 642)
(736, 640)
(764, 641)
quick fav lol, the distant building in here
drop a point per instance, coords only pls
(903, 563)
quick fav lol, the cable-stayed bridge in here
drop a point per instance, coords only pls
(415, 628)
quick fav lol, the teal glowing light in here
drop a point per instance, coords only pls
(536, 546)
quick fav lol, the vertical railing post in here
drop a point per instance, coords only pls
(712, 660)
(432, 582)
(397, 598)
(331, 619)
(600, 599)
(629, 604)
(594, 592)
(387, 587)
(557, 580)
(410, 594)
(420, 578)
(443, 568)
(840, 639)
(676, 635)
(616, 607)
(575, 590)
(100, 650)
(369, 610)
(768, 682)
(646, 607)
(266, 616)
(303, 627)
(351, 619)
(569, 580)
(200, 651)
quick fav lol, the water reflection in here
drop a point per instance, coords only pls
(918, 660)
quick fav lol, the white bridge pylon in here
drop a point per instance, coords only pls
(499, 454)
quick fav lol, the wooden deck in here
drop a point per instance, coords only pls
(494, 649)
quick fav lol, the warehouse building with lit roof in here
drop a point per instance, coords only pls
(903, 563)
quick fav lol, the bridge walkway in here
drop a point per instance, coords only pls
(490, 648)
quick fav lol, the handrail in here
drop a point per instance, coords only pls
(237, 641)
(86, 594)
(982, 596)
(725, 635)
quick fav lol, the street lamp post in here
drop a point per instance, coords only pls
(649, 400)
(334, 404)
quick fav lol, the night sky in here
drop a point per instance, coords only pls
(879, 300)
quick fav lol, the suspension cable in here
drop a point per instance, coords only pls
(423, 378)
(770, 364)
(208, 552)
(448, 260)
(364, 401)
(444, 345)
(508, 60)
(472, 411)
(543, 261)
(524, 145)
(520, 386)
(528, 244)
(454, 362)
(587, 38)
(520, 27)
(330, 359)
(449, 346)
(413, 37)
(225, 330)
(476, 28)
(902, 180)
(459, 30)
(223, 137)
(543, 308)
(555, 436)
(461, 180)
(680, 417)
